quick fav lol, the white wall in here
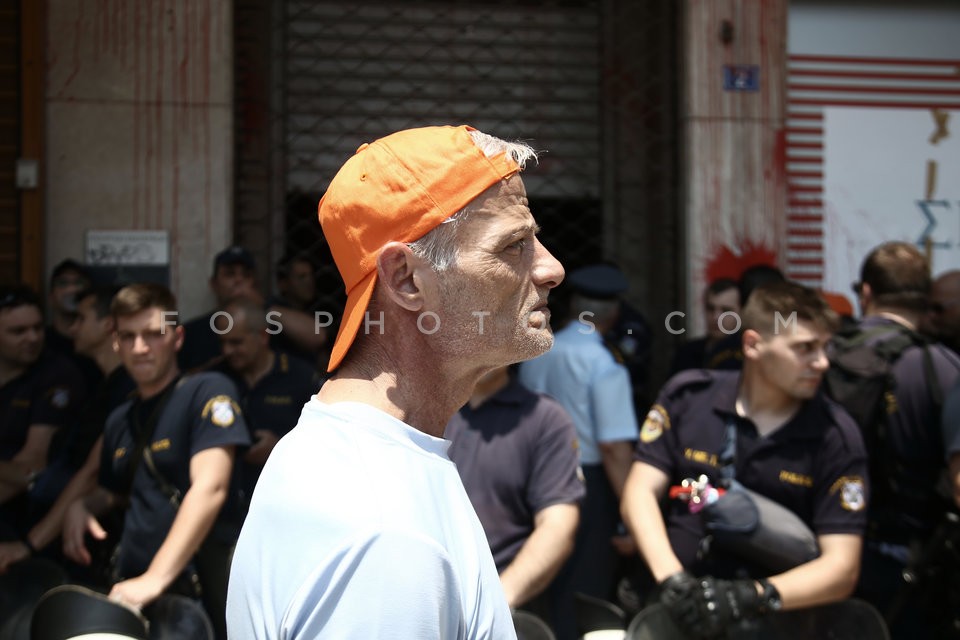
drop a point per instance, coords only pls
(890, 29)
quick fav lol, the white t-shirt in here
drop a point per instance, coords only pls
(360, 528)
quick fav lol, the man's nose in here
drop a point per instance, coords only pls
(547, 270)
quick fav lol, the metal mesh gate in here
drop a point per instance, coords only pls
(591, 82)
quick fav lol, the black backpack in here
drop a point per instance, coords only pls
(861, 380)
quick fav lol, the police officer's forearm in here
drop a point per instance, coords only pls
(829, 578)
(640, 510)
(15, 473)
(9, 490)
(210, 480)
(617, 458)
(542, 555)
(100, 501)
(193, 522)
(83, 482)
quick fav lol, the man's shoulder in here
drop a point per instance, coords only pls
(698, 381)
(53, 364)
(55, 376)
(294, 367)
(203, 388)
(205, 379)
(838, 427)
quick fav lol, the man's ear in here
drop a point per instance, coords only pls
(752, 343)
(866, 294)
(401, 273)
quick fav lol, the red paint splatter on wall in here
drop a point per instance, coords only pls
(725, 262)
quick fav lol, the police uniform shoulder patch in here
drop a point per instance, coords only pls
(656, 422)
(851, 492)
(222, 411)
(60, 397)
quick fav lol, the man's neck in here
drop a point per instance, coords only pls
(909, 319)
(260, 368)
(488, 386)
(415, 391)
(766, 406)
(147, 391)
(61, 322)
(106, 358)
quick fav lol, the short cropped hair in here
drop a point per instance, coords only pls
(102, 294)
(253, 312)
(756, 275)
(899, 276)
(135, 298)
(719, 286)
(786, 298)
(12, 296)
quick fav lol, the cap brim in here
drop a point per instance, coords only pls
(357, 301)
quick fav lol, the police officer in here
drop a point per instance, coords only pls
(168, 452)
(907, 460)
(584, 375)
(516, 452)
(629, 338)
(273, 386)
(234, 276)
(721, 308)
(40, 392)
(789, 444)
(78, 458)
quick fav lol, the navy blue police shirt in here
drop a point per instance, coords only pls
(70, 447)
(50, 392)
(815, 464)
(516, 454)
(274, 403)
(915, 435)
(202, 412)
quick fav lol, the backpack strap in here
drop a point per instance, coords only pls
(143, 434)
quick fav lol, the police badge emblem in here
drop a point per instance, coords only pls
(657, 420)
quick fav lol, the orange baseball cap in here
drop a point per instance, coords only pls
(397, 188)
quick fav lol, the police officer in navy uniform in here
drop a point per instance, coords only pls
(721, 309)
(908, 459)
(40, 393)
(169, 454)
(516, 452)
(273, 386)
(233, 277)
(791, 444)
(75, 452)
(630, 339)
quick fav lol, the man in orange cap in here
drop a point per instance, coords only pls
(359, 525)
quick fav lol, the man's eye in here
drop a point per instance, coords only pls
(519, 245)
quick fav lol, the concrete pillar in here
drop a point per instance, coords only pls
(139, 129)
(733, 139)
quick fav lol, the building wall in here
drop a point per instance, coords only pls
(734, 185)
(873, 102)
(139, 115)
